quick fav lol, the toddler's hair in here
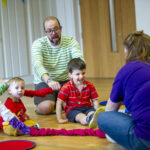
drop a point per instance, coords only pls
(76, 63)
(15, 79)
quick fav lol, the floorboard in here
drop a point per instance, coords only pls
(103, 87)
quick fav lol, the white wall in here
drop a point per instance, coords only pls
(22, 23)
(14, 47)
(142, 10)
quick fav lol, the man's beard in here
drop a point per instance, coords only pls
(55, 42)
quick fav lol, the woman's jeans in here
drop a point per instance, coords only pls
(120, 127)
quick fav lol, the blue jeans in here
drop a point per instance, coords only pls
(120, 127)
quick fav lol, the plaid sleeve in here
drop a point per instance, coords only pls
(94, 94)
(63, 94)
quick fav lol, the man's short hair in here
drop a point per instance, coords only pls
(50, 18)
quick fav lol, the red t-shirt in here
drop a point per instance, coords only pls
(74, 98)
(17, 108)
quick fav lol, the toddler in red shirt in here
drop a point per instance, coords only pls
(79, 95)
(16, 90)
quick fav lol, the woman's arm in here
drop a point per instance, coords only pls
(111, 106)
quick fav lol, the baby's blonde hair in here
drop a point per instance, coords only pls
(15, 79)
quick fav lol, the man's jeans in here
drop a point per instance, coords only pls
(120, 128)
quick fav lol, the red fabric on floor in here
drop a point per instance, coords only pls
(16, 145)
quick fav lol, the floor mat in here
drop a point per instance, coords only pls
(17, 145)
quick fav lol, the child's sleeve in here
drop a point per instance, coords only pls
(63, 94)
(94, 94)
(39, 93)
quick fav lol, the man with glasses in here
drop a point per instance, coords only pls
(50, 56)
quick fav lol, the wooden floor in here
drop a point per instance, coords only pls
(103, 87)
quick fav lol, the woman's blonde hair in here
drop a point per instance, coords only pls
(138, 46)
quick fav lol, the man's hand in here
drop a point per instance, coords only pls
(54, 85)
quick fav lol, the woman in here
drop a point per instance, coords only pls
(132, 87)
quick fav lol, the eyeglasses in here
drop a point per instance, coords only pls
(51, 31)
